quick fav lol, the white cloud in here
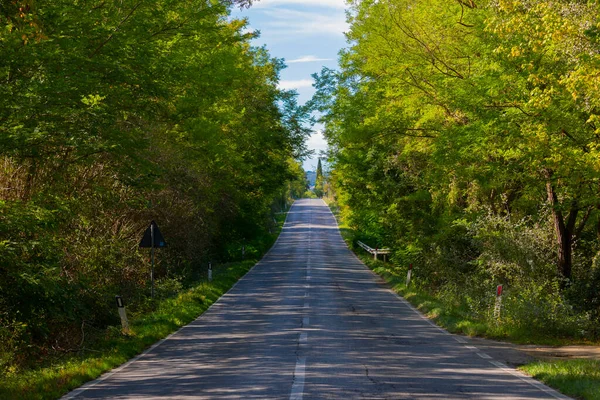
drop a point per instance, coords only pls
(307, 59)
(297, 84)
(286, 22)
(340, 4)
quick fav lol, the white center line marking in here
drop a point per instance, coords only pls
(303, 337)
(305, 322)
(306, 305)
(483, 355)
(298, 386)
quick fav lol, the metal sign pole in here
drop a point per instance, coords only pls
(152, 258)
(152, 238)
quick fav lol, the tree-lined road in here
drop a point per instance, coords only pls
(310, 321)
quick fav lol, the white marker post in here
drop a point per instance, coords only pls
(122, 314)
(408, 275)
(210, 272)
(498, 307)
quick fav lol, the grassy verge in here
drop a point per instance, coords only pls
(576, 378)
(59, 376)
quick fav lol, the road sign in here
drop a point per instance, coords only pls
(152, 238)
(152, 230)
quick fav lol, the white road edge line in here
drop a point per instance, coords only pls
(530, 380)
(298, 386)
(303, 337)
(86, 386)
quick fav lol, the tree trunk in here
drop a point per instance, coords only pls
(564, 231)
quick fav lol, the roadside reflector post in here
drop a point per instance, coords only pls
(498, 306)
(122, 314)
(409, 275)
(210, 272)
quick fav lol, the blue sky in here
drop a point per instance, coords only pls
(308, 34)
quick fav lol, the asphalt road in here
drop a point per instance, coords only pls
(310, 321)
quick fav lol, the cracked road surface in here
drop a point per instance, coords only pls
(310, 321)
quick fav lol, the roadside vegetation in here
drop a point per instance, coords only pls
(465, 137)
(114, 114)
(579, 378)
(109, 347)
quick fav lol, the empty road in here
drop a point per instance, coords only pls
(310, 321)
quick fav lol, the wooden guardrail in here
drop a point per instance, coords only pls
(374, 251)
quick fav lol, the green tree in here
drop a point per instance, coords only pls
(115, 113)
(446, 116)
(319, 180)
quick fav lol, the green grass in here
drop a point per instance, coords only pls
(577, 378)
(60, 375)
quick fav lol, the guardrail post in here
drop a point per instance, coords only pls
(375, 255)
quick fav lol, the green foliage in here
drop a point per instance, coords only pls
(116, 113)
(319, 181)
(577, 378)
(114, 348)
(464, 136)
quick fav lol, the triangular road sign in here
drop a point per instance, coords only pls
(159, 241)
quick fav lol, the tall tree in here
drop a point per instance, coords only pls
(465, 107)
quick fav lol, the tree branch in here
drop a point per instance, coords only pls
(108, 39)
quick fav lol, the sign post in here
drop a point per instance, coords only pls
(152, 238)
(498, 306)
(409, 275)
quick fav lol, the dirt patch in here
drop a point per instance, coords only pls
(516, 355)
